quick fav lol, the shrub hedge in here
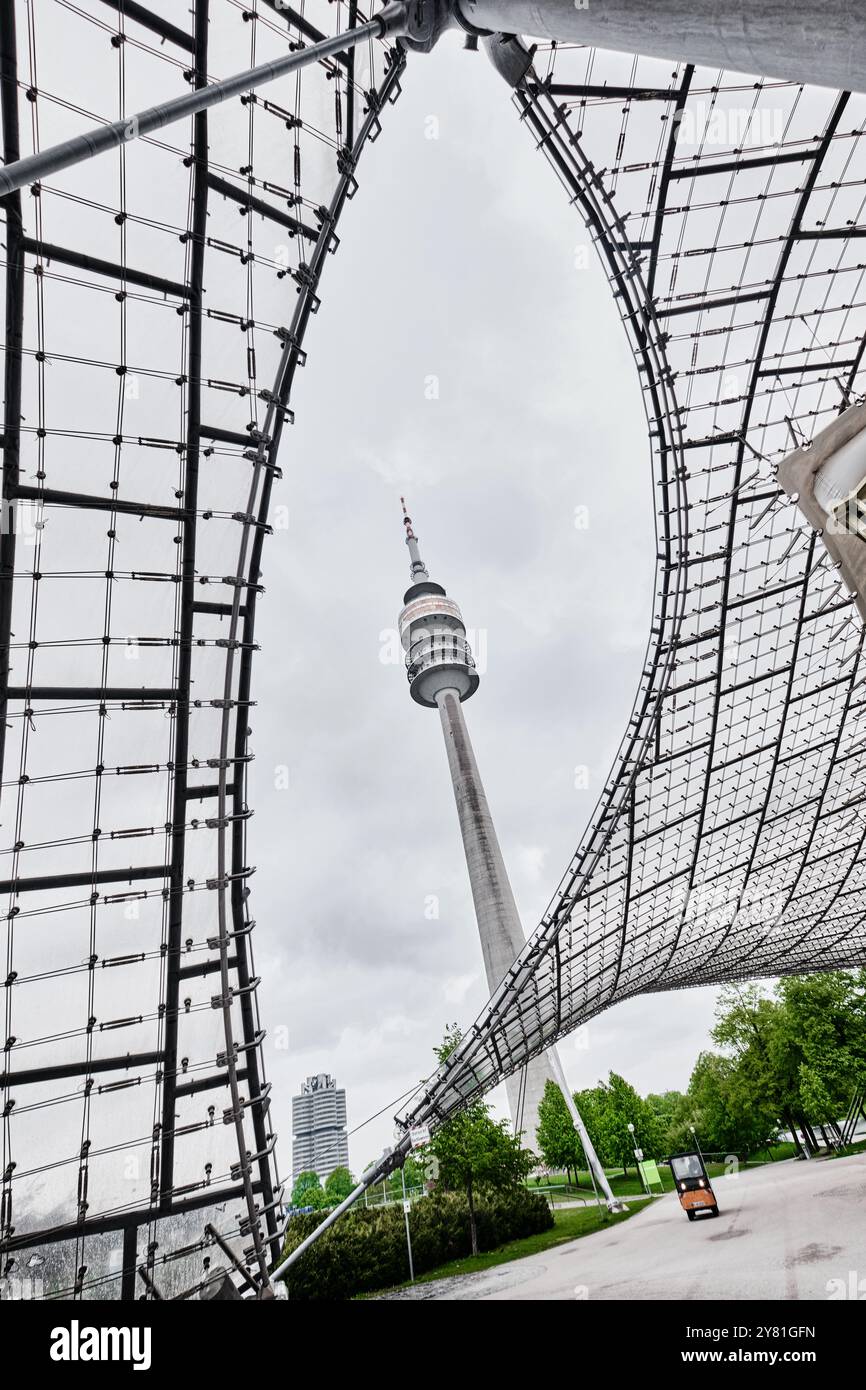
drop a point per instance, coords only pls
(366, 1250)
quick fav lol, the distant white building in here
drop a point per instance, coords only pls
(320, 1142)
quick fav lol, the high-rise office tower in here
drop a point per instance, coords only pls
(320, 1143)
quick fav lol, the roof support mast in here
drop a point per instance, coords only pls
(789, 39)
(394, 18)
(793, 39)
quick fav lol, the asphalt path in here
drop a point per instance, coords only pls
(793, 1230)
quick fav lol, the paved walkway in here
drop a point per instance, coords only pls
(784, 1232)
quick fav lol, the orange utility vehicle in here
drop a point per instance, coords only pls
(693, 1185)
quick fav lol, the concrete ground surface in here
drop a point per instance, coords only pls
(783, 1232)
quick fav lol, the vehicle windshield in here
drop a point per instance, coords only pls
(687, 1166)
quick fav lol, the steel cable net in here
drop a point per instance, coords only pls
(156, 301)
(155, 314)
(729, 841)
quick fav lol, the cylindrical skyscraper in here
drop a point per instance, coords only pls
(441, 675)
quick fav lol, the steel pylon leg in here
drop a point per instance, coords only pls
(613, 1203)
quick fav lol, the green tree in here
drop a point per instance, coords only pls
(607, 1111)
(624, 1107)
(816, 1097)
(728, 1116)
(473, 1153)
(338, 1185)
(751, 1026)
(557, 1137)
(799, 1055)
(413, 1174)
(665, 1106)
(590, 1104)
(308, 1191)
(822, 1035)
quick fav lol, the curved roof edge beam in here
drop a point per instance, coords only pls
(827, 480)
(795, 40)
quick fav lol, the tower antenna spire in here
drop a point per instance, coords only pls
(417, 568)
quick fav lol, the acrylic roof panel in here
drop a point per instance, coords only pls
(162, 301)
(163, 304)
(729, 840)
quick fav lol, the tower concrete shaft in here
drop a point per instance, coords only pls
(496, 911)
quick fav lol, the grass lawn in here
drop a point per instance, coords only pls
(622, 1185)
(567, 1225)
(773, 1154)
(858, 1148)
(629, 1185)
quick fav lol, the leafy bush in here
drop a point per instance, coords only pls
(366, 1250)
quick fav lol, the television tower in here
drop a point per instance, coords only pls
(442, 675)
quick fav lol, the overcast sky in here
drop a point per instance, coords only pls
(468, 354)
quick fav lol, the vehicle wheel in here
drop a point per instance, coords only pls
(715, 1211)
(690, 1215)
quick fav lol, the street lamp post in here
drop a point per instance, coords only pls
(34, 1268)
(775, 1140)
(406, 1209)
(638, 1158)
